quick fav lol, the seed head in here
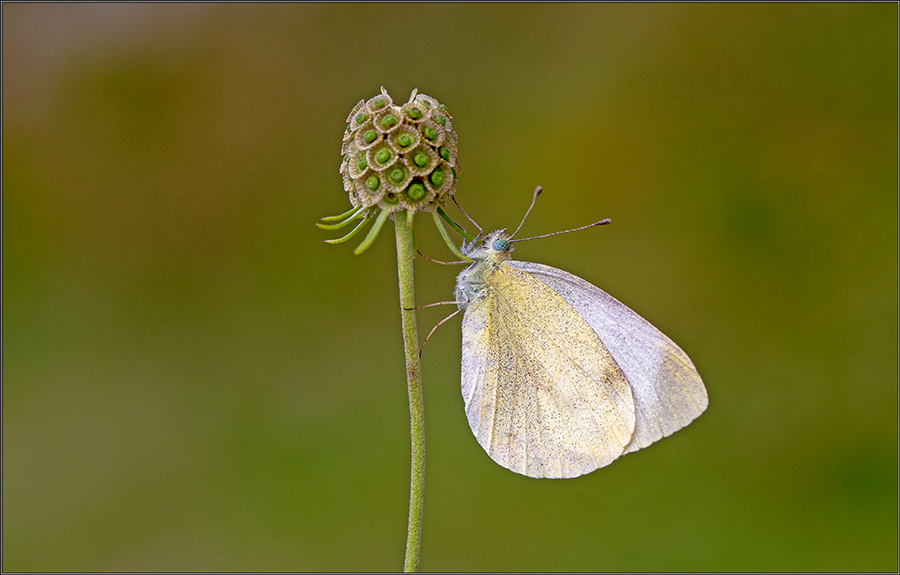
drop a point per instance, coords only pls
(399, 157)
(396, 158)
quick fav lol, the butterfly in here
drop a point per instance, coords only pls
(558, 377)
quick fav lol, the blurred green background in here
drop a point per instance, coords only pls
(193, 380)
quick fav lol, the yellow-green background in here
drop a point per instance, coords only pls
(193, 380)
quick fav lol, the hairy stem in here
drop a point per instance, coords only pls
(405, 254)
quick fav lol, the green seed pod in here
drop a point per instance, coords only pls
(416, 196)
(381, 157)
(388, 120)
(428, 103)
(447, 152)
(443, 120)
(359, 119)
(404, 139)
(370, 189)
(413, 112)
(422, 159)
(440, 179)
(379, 102)
(367, 136)
(361, 105)
(399, 175)
(432, 133)
(359, 115)
(358, 164)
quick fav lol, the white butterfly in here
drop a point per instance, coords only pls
(559, 378)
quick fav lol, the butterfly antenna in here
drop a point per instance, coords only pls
(480, 231)
(537, 192)
(600, 223)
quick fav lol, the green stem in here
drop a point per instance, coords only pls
(405, 254)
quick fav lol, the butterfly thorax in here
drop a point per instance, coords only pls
(487, 255)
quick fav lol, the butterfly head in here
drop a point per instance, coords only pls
(494, 248)
(487, 254)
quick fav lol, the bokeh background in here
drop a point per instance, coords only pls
(193, 380)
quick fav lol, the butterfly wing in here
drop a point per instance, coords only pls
(668, 392)
(543, 396)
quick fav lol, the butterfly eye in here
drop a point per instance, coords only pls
(500, 245)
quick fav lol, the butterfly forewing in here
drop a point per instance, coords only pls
(544, 396)
(668, 392)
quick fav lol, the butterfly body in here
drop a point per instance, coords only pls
(558, 377)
